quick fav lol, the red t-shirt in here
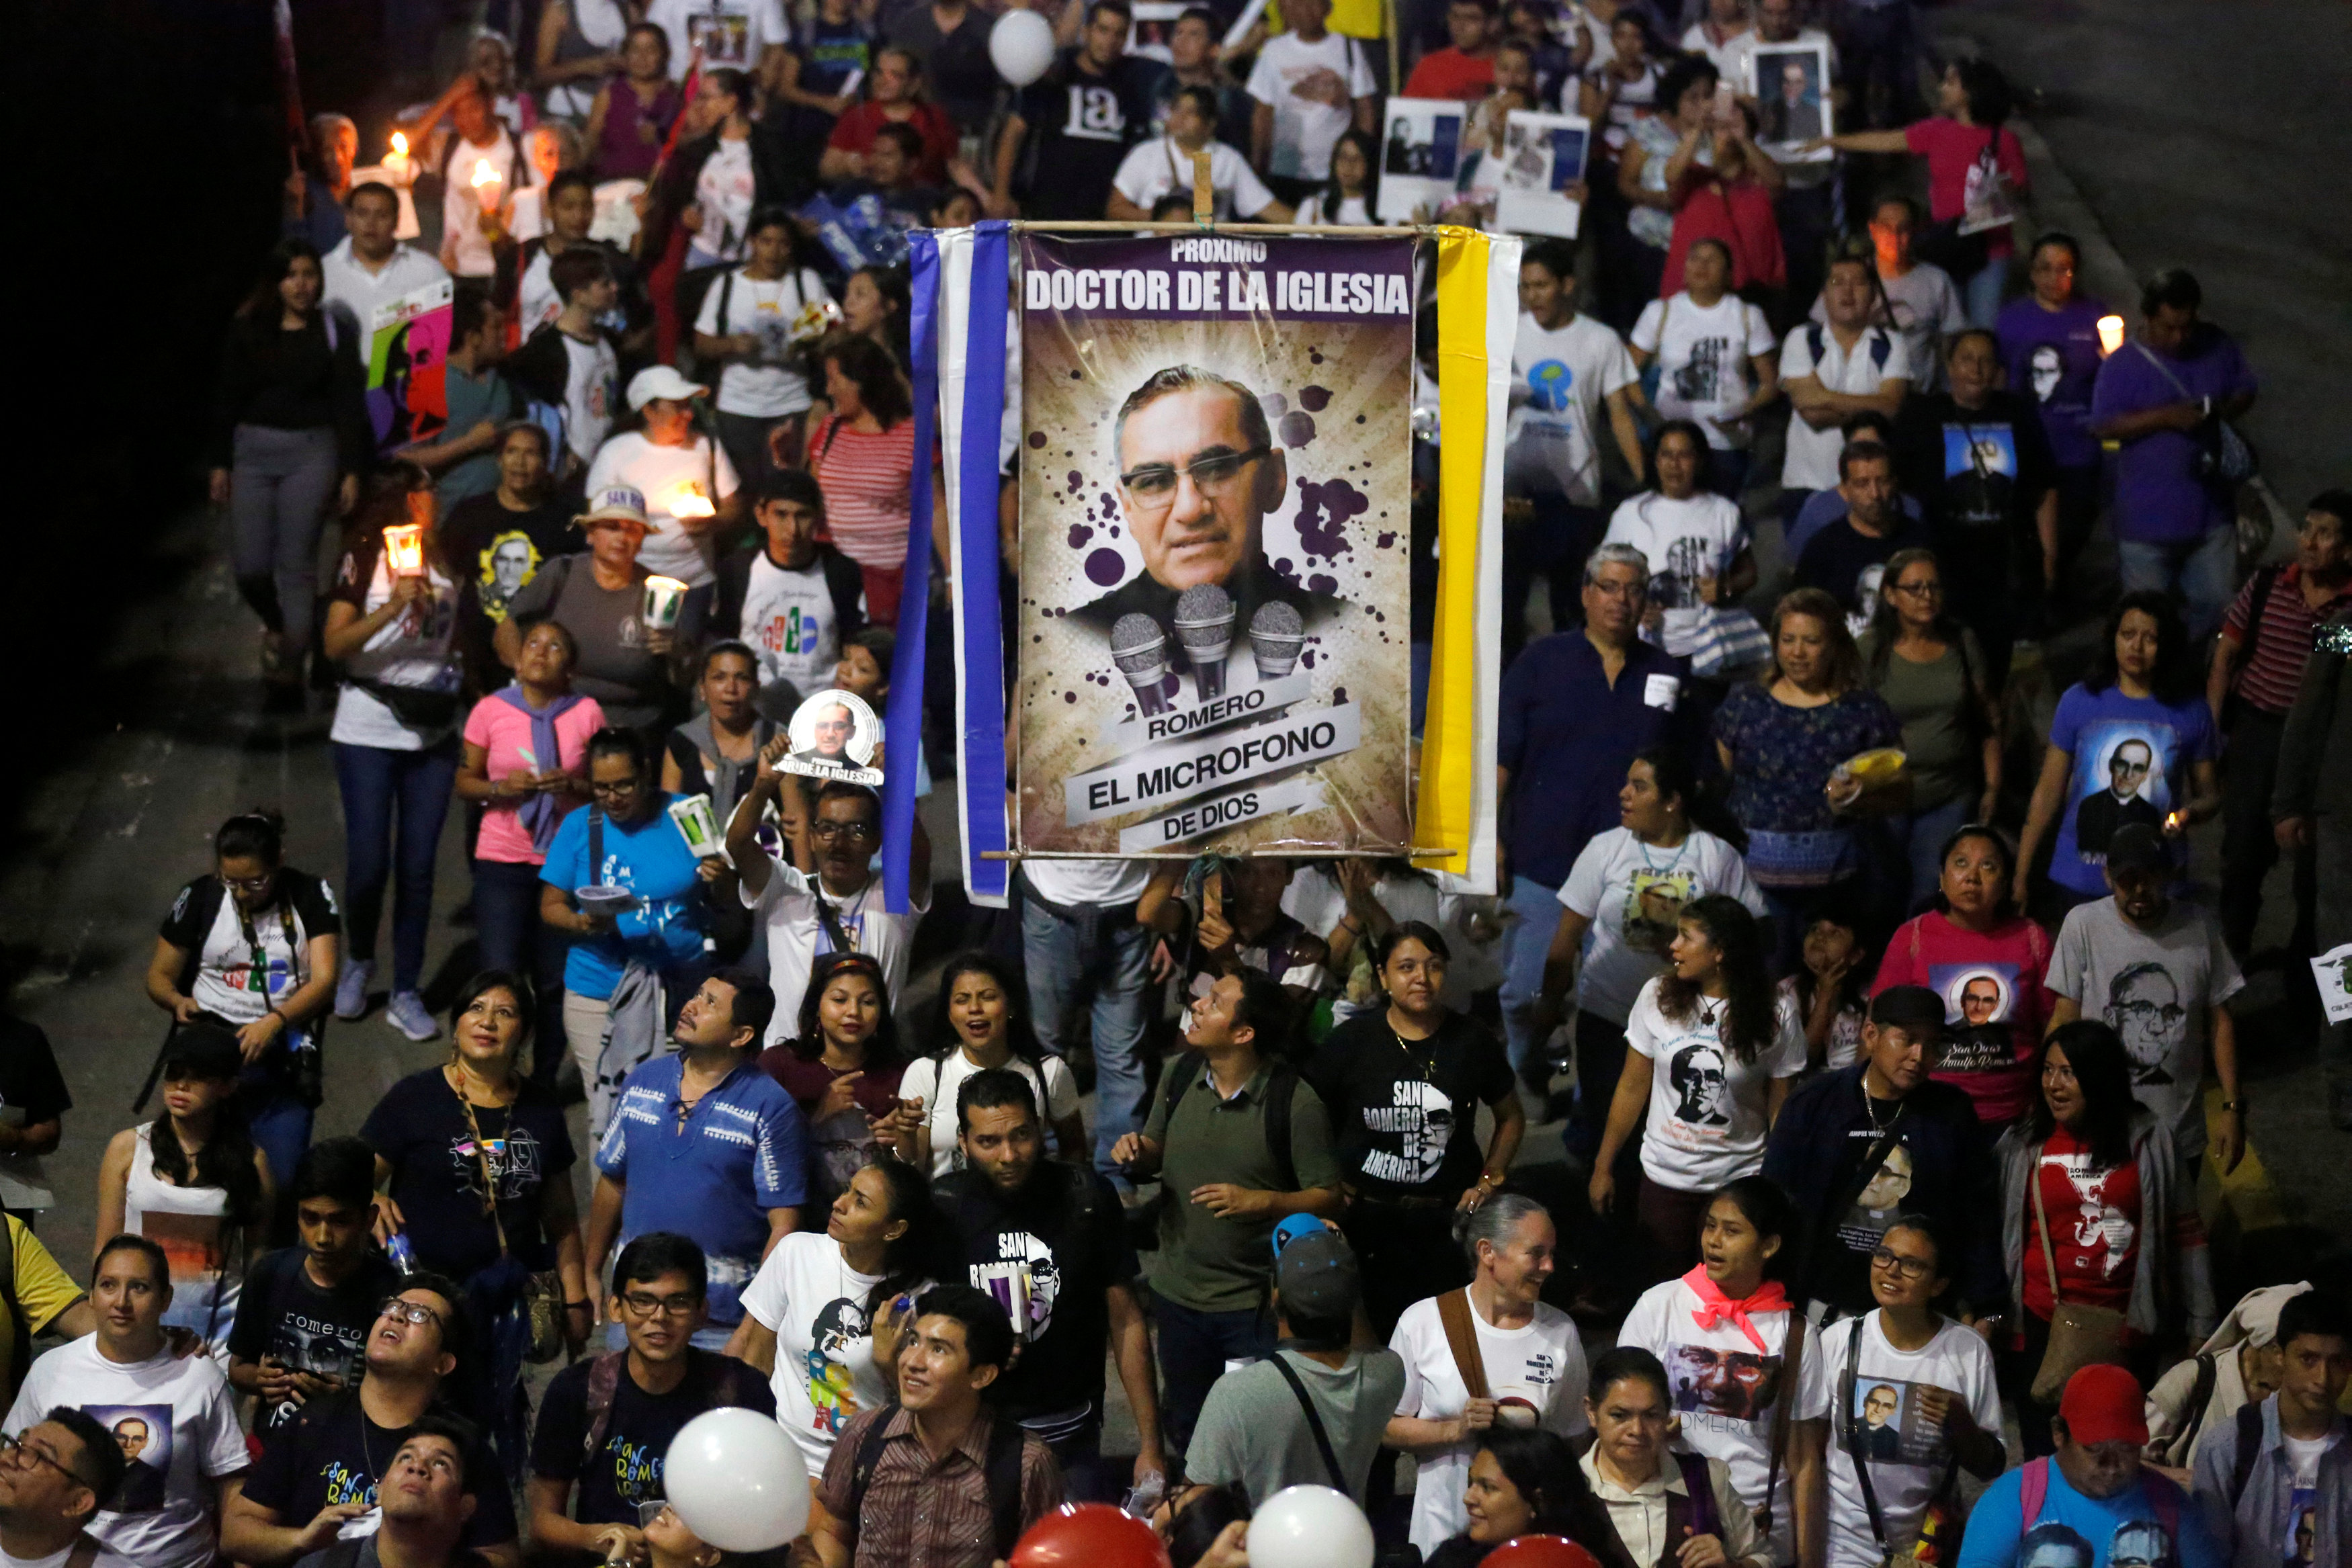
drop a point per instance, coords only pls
(853, 132)
(2095, 1223)
(1997, 1002)
(1951, 149)
(1450, 73)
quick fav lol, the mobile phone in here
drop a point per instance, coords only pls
(1724, 98)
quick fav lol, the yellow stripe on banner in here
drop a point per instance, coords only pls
(1448, 748)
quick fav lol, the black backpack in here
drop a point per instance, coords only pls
(1176, 1080)
(1002, 1470)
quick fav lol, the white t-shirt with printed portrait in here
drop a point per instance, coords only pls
(935, 1085)
(1542, 1364)
(732, 33)
(1704, 352)
(1906, 1455)
(807, 1293)
(1306, 129)
(1632, 893)
(1707, 1108)
(1687, 542)
(1727, 1395)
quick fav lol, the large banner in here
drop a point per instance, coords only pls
(1215, 496)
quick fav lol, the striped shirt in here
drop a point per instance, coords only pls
(2273, 670)
(865, 480)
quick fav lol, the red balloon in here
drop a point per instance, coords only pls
(1091, 1535)
(1539, 1551)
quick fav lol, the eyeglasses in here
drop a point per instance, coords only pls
(1909, 1267)
(249, 883)
(830, 829)
(1154, 484)
(20, 1447)
(642, 1304)
(625, 787)
(1931, 589)
(414, 1314)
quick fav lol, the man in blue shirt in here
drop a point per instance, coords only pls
(1576, 706)
(2094, 1488)
(704, 1144)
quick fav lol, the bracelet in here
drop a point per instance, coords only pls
(2238, 1105)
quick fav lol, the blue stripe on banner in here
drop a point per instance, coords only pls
(980, 770)
(903, 722)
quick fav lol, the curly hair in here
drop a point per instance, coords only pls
(1751, 1019)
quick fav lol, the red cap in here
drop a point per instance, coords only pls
(2102, 1405)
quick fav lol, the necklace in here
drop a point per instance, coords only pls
(1870, 1109)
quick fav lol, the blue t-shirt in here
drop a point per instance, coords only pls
(2159, 497)
(712, 1175)
(2052, 357)
(650, 860)
(2132, 757)
(2077, 1532)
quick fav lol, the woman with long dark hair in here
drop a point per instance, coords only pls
(1830, 988)
(1711, 1051)
(1994, 967)
(1675, 842)
(843, 1068)
(290, 437)
(876, 303)
(1731, 1310)
(821, 1316)
(253, 946)
(1403, 1084)
(2086, 1160)
(1971, 154)
(1929, 670)
(1785, 739)
(392, 624)
(981, 1022)
(191, 1181)
(1352, 194)
(1524, 1482)
(2132, 741)
(863, 457)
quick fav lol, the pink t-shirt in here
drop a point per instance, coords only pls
(503, 732)
(1997, 1002)
(1951, 149)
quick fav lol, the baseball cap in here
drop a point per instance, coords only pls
(1914, 1009)
(618, 501)
(1318, 1278)
(2102, 1405)
(206, 1050)
(2136, 846)
(1292, 1228)
(663, 381)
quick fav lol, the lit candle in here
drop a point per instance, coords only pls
(404, 547)
(665, 597)
(395, 162)
(485, 183)
(690, 502)
(2175, 821)
(2111, 335)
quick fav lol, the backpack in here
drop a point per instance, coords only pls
(1002, 1470)
(1177, 1079)
(2250, 1448)
(1882, 345)
(2034, 1489)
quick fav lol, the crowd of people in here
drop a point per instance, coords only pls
(1879, 1033)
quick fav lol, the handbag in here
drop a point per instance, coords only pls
(2223, 456)
(1730, 641)
(2081, 1336)
(542, 1291)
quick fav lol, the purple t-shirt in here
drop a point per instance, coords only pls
(2132, 757)
(2159, 497)
(2053, 358)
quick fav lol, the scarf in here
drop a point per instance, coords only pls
(729, 779)
(540, 813)
(1715, 1307)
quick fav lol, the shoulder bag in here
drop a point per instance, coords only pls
(542, 1291)
(2223, 456)
(1941, 1513)
(2081, 1336)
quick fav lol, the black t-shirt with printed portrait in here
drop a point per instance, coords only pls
(1050, 1252)
(1081, 127)
(627, 1469)
(1404, 1113)
(333, 1453)
(420, 1128)
(495, 552)
(283, 1314)
(1979, 473)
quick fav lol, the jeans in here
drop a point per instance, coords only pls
(1099, 955)
(1669, 1219)
(1809, 218)
(1981, 292)
(1193, 1349)
(1727, 472)
(279, 1125)
(1403, 1254)
(1084, 1476)
(513, 937)
(1600, 1063)
(745, 439)
(380, 785)
(1527, 941)
(1915, 838)
(2249, 770)
(2202, 572)
(280, 484)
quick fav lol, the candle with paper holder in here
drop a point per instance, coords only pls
(664, 599)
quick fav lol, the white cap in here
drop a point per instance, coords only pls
(663, 382)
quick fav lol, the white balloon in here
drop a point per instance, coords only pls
(738, 1480)
(1310, 1527)
(1021, 46)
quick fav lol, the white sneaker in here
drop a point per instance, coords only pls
(406, 1012)
(352, 988)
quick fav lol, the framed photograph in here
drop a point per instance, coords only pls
(1791, 83)
(1421, 155)
(1543, 156)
